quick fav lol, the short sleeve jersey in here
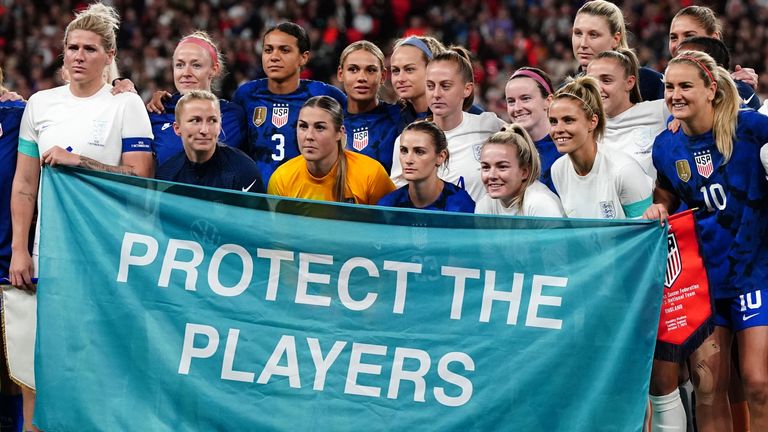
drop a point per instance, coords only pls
(101, 127)
(167, 143)
(373, 133)
(732, 200)
(538, 200)
(451, 199)
(367, 181)
(272, 120)
(634, 131)
(10, 118)
(228, 168)
(615, 188)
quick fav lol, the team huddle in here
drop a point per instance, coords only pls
(617, 141)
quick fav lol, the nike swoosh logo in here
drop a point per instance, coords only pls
(746, 101)
(746, 317)
(165, 126)
(246, 189)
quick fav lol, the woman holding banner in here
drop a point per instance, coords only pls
(78, 124)
(423, 150)
(713, 163)
(325, 170)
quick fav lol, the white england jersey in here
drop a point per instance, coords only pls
(537, 201)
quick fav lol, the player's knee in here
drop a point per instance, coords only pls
(756, 388)
(706, 380)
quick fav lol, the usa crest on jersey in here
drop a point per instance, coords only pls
(280, 115)
(360, 139)
(704, 163)
(674, 262)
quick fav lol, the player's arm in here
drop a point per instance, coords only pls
(665, 202)
(23, 199)
(132, 163)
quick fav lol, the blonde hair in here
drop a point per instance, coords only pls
(365, 46)
(434, 45)
(612, 15)
(104, 21)
(218, 60)
(585, 90)
(333, 108)
(517, 137)
(727, 100)
(194, 95)
(706, 18)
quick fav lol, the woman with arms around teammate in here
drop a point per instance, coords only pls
(272, 104)
(78, 124)
(599, 26)
(424, 149)
(510, 169)
(450, 85)
(197, 65)
(713, 163)
(325, 170)
(528, 93)
(371, 124)
(592, 182)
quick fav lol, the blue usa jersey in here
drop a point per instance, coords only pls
(228, 168)
(10, 117)
(548, 154)
(373, 133)
(167, 143)
(272, 120)
(651, 84)
(451, 199)
(732, 200)
(748, 96)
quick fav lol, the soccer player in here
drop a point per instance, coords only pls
(424, 149)
(631, 125)
(599, 26)
(272, 104)
(702, 21)
(205, 162)
(510, 169)
(408, 64)
(371, 124)
(713, 163)
(592, 182)
(529, 93)
(10, 118)
(78, 124)
(450, 84)
(197, 65)
(325, 170)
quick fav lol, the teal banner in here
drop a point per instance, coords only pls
(169, 307)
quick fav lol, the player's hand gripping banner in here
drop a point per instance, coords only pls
(169, 307)
(686, 311)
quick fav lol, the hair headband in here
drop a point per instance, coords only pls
(701, 65)
(586, 105)
(418, 43)
(534, 76)
(204, 44)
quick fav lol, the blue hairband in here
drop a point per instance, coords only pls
(414, 41)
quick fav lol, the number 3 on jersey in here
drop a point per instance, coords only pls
(714, 194)
(279, 153)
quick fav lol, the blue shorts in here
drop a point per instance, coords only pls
(742, 312)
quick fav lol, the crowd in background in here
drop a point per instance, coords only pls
(502, 35)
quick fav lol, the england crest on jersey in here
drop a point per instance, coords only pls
(360, 139)
(607, 210)
(704, 163)
(674, 262)
(280, 115)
